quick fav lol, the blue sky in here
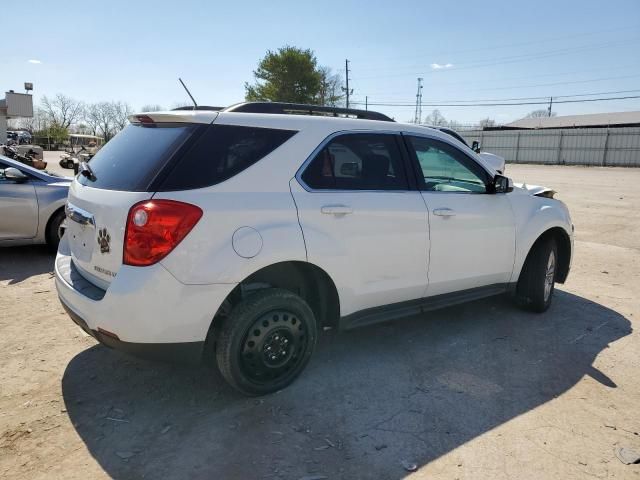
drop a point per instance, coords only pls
(134, 51)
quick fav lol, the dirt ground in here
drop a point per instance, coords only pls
(477, 391)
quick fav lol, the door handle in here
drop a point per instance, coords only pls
(79, 215)
(444, 212)
(336, 209)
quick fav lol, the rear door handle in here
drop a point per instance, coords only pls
(444, 212)
(79, 215)
(336, 209)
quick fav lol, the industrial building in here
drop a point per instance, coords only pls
(592, 120)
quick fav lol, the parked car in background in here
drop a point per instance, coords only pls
(494, 161)
(20, 137)
(31, 204)
(241, 233)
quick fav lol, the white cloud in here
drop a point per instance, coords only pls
(440, 66)
(34, 61)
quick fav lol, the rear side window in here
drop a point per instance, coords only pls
(221, 152)
(360, 161)
(133, 158)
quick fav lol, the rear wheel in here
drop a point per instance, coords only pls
(266, 341)
(537, 279)
(55, 229)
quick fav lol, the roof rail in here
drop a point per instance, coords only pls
(304, 109)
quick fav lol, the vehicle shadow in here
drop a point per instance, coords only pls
(411, 390)
(20, 263)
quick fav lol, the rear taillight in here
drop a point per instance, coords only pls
(154, 228)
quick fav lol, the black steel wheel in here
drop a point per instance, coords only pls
(266, 341)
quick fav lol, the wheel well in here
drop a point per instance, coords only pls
(564, 250)
(46, 228)
(304, 279)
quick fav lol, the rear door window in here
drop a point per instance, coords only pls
(360, 161)
(134, 157)
(221, 152)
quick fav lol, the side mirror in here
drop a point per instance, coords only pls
(502, 184)
(11, 173)
(475, 146)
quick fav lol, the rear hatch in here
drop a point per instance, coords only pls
(123, 173)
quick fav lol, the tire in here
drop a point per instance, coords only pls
(537, 279)
(266, 341)
(54, 230)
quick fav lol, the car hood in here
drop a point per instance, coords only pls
(62, 182)
(534, 190)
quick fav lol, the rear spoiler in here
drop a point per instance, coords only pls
(175, 116)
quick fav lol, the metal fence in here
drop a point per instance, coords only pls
(618, 147)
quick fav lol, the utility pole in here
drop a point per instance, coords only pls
(418, 116)
(346, 90)
(550, 105)
(366, 102)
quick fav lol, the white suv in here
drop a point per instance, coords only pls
(243, 232)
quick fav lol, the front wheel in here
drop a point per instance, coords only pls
(537, 279)
(266, 341)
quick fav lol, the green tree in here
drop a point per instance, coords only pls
(288, 75)
(57, 133)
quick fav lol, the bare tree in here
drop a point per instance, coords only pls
(99, 118)
(61, 110)
(543, 112)
(151, 108)
(436, 119)
(330, 93)
(33, 124)
(181, 104)
(120, 112)
(487, 122)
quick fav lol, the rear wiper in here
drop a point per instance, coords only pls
(85, 171)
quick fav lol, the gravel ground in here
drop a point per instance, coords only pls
(477, 391)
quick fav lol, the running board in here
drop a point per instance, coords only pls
(394, 311)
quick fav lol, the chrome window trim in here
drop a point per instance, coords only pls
(305, 164)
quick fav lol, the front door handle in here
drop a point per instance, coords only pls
(336, 209)
(444, 212)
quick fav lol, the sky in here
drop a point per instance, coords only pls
(134, 51)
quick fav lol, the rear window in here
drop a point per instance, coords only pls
(221, 152)
(134, 157)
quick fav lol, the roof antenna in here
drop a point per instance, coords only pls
(195, 105)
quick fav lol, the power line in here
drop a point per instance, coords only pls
(555, 74)
(499, 104)
(543, 97)
(511, 45)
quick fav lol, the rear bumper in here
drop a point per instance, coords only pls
(149, 312)
(188, 352)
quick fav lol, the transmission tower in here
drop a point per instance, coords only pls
(418, 117)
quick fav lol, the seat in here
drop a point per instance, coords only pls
(375, 172)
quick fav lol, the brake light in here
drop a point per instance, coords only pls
(144, 119)
(155, 228)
